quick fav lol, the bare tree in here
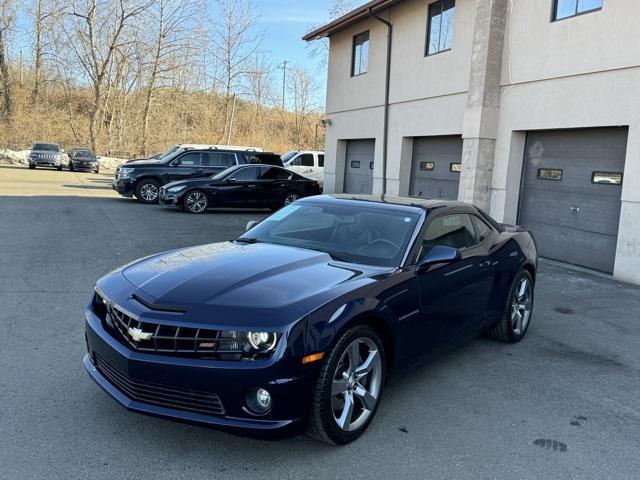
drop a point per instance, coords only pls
(259, 83)
(302, 91)
(7, 17)
(172, 20)
(234, 43)
(94, 31)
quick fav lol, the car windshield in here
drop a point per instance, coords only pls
(169, 153)
(46, 147)
(288, 156)
(352, 233)
(82, 153)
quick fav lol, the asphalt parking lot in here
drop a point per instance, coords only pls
(562, 404)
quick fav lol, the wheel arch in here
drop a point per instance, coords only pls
(377, 322)
(150, 176)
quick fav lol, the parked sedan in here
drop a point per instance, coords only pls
(83, 159)
(242, 186)
(45, 155)
(297, 324)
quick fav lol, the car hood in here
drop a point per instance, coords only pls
(241, 275)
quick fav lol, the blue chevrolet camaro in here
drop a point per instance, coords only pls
(297, 324)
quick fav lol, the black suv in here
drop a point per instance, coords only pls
(143, 178)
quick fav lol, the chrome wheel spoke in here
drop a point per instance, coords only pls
(339, 386)
(354, 357)
(366, 366)
(344, 421)
(517, 324)
(522, 289)
(367, 399)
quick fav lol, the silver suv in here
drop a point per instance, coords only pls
(45, 155)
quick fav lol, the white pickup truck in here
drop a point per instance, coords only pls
(308, 163)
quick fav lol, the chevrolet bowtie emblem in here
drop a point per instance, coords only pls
(137, 334)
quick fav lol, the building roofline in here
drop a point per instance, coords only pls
(354, 16)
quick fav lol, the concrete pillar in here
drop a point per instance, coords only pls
(480, 122)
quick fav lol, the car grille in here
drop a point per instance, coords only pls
(161, 395)
(170, 339)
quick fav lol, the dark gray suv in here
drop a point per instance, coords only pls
(45, 155)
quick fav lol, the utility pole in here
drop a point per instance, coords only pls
(284, 82)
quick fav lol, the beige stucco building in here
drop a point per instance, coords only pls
(528, 108)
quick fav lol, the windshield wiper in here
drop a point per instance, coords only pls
(247, 240)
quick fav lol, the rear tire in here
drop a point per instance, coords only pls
(516, 318)
(348, 392)
(147, 191)
(59, 168)
(195, 201)
(32, 167)
(70, 167)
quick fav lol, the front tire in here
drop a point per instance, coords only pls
(349, 387)
(32, 167)
(147, 191)
(195, 202)
(70, 167)
(516, 318)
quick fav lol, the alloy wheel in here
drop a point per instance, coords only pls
(356, 384)
(521, 307)
(196, 202)
(149, 192)
(292, 197)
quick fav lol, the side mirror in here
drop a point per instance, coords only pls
(230, 180)
(251, 224)
(440, 254)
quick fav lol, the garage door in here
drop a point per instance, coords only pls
(358, 176)
(571, 194)
(435, 169)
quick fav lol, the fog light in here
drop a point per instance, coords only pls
(258, 400)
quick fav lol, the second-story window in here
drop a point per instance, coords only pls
(360, 60)
(571, 8)
(440, 26)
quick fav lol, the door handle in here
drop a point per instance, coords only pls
(485, 264)
(574, 209)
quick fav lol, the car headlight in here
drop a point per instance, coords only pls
(125, 172)
(176, 189)
(262, 341)
(249, 343)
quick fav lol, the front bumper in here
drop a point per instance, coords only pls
(169, 199)
(227, 380)
(83, 165)
(124, 186)
(46, 162)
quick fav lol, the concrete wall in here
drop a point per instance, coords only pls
(575, 73)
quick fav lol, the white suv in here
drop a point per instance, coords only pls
(308, 163)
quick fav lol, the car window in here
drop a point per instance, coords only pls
(305, 160)
(275, 173)
(247, 174)
(191, 159)
(46, 147)
(482, 229)
(455, 230)
(354, 233)
(220, 159)
(321, 160)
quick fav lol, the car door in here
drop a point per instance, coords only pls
(454, 296)
(303, 164)
(187, 165)
(276, 184)
(241, 189)
(215, 162)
